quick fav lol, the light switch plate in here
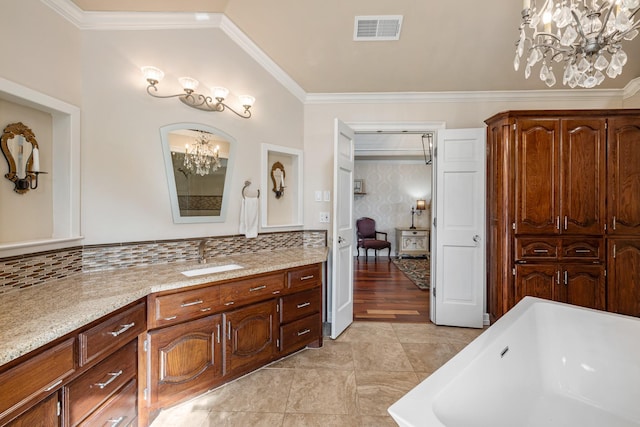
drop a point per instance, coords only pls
(318, 196)
(327, 195)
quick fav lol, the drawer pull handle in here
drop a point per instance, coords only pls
(170, 318)
(275, 292)
(115, 422)
(114, 375)
(189, 304)
(582, 251)
(541, 251)
(257, 288)
(229, 303)
(123, 329)
(307, 277)
(306, 331)
(54, 385)
(204, 310)
(304, 304)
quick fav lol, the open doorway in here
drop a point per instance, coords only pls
(393, 173)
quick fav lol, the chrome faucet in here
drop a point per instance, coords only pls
(201, 258)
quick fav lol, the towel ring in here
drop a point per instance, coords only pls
(246, 184)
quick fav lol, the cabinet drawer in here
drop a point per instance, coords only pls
(584, 249)
(119, 411)
(536, 249)
(36, 377)
(112, 333)
(181, 306)
(299, 305)
(251, 289)
(414, 233)
(297, 334)
(306, 277)
(89, 391)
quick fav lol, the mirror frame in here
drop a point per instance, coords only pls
(11, 131)
(171, 181)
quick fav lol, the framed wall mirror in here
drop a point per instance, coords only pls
(281, 185)
(197, 159)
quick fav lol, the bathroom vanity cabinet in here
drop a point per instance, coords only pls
(204, 337)
(561, 188)
(84, 378)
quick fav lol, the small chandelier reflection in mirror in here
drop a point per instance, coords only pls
(190, 97)
(202, 158)
(584, 37)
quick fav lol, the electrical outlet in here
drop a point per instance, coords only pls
(318, 196)
(324, 216)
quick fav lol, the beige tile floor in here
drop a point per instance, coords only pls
(348, 382)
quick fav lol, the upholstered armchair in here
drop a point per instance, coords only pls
(368, 237)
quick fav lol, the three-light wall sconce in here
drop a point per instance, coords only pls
(214, 102)
(20, 148)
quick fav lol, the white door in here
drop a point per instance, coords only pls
(341, 289)
(457, 297)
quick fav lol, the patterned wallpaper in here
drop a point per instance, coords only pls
(392, 187)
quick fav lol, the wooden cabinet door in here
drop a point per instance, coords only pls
(185, 360)
(251, 337)
(582, 285)
(536, 174)
(536, 280)
(623, 170)
(623, 281)
(582, 179)
(44, 414)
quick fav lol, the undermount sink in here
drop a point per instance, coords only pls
(211, 270)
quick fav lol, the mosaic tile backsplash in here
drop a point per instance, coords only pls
(38, 268)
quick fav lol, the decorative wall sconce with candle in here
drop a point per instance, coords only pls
(20, 148)
(277, 177)
(213, 103)
(421, 205)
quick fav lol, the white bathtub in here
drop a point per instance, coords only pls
(542, 364)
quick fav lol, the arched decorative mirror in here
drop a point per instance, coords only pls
(197, 160)
(20, 148)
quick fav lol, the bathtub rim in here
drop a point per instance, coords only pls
(415, 408)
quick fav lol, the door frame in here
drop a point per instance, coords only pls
(399, 127)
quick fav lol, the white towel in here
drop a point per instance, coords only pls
(249, 217)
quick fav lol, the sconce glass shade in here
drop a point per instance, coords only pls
(421, 205)
(247, 100)
(152, 73)
(219, 92)
(189, 84)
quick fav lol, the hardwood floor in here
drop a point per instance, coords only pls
(383, 293)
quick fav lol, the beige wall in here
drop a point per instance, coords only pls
(27, 216)
(40, 50)
(124, 190)
(457, 113)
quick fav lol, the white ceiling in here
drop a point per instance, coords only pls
(466, 45)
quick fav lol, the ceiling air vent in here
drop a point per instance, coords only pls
(372, 28)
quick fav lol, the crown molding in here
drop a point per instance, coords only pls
(631, 88)
(470, 96)
(174, 21)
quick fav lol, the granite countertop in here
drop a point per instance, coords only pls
(33, 317)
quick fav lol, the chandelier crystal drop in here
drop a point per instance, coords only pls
(202, 158)
(582, 37)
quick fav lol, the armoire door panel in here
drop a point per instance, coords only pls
(582, 180)
(623, 281)
(537, 198)
(623, 176)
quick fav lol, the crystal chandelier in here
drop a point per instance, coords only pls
(202, 158)
(584, 37)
